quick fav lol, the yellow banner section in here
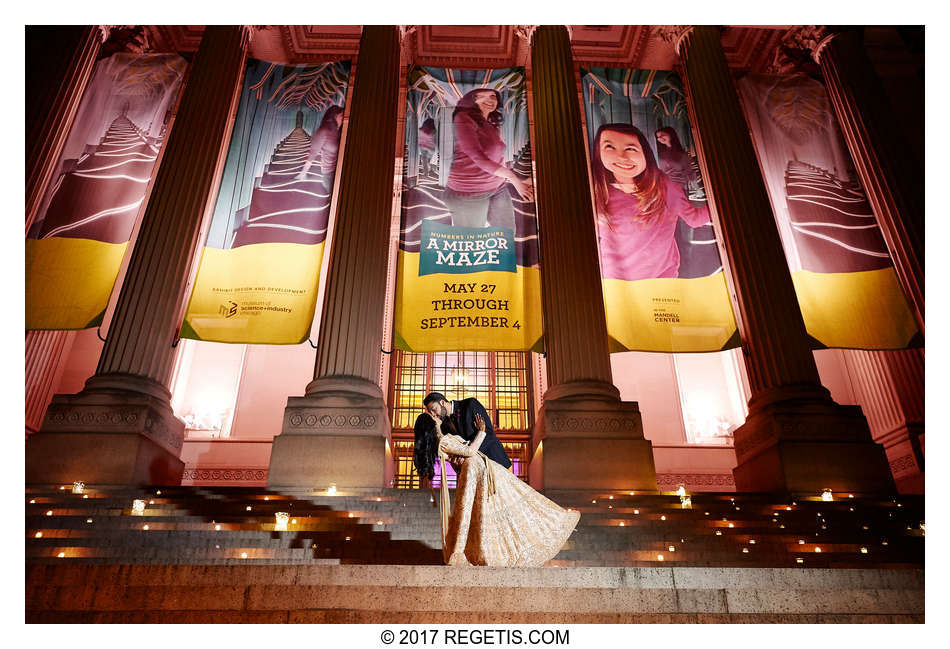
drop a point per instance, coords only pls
(262, 293)
(485, 311)
(69, 281)
(864, 310)
(670, 314)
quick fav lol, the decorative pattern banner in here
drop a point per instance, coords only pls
(468, 276)
(663, 281)
(257, 282)
(847, 288)
(75, 246)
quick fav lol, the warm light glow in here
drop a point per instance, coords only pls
(138, 507)
(731, 525)
(280, 524)
(151, 502)
(799, 560)
(145, 527)
(850, 495)
(49, 513)
(817, 549)
(62, 488)
(745, 550)
(681, 491)
(621, 523)
(659, 557)
(826, 495)
(217, 528)
(686, 502)
(347, 538)
(32, 501)
(718, 532)
(85, 496)
(593, 502)
(663, 518)
(672, 548)
(378, 499)
(78, 487)
(379, 522)
(293, 521)
(38, 535)
(864, 550)
(636, 511)
(801, 541)
(752, 541)
(350, 515)
(331, 490)
(788, 509)
(158, 493)
(61, 555)
(633, 493)
(883, 542)
(248, 508)
(88, 520)
(611, 498)
(244, 555)
(266, 497)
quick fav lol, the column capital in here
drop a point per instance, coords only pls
(812, 39)
(407, 42)
(526, 33)
(673, 34)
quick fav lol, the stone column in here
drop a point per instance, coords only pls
(56, 80)
(889, 385)
(60, 62)
(339, 431)
(585, 436)
(891, 175)
(795, 439)
(120, 429)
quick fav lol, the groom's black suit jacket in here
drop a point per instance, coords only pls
(463, 417)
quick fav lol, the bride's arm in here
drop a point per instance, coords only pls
(476, 442)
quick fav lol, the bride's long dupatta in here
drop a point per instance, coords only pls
(444, 503)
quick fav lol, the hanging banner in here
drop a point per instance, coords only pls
(75, 247)
(467, 276)
(663, 281)
(257, 281)
(846, 285)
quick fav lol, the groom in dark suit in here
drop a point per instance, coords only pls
(462, 415)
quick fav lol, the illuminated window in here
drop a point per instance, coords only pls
(499, 380)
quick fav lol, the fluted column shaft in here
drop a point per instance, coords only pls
(350, 335)
(46, 351)
(55, 84)
(144, 326)
(575, 326)
(777, 351)
(892, 179)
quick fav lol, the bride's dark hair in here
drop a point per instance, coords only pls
(427, 444)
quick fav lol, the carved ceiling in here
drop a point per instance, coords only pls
(747, 48)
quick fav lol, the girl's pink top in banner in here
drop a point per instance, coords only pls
(479, 152)
(629, 250)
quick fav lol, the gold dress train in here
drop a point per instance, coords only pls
(497, 519)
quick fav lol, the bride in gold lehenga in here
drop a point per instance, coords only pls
(497, 519)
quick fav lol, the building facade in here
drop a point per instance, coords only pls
(130, 403)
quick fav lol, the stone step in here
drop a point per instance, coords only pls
(428, 593)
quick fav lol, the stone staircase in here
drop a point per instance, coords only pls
(201, 554)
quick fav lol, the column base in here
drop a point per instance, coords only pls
(333, 436)
(805, 446)
(107, 437)
(591, 444)
(905, 453)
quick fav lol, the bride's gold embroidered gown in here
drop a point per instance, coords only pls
(498, 520)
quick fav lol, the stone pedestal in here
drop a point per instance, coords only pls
(592, 444)
(107, 437)
(807, 445)
(338, 433)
